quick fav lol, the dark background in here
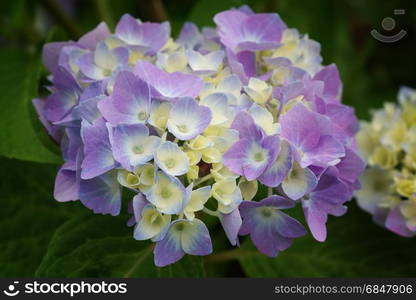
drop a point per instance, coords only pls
(40, 237)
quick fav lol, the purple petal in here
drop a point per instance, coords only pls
(289, 227)
(112, 115)
(332, 82)
(234, 157)
(231, 223)
(316, 220)
(90, 39)
(351, 166)
(240, 31)
(247, 128)
(327, 152)
(51, 52)
(169, 85)
(102, 194)
(66, 185)
(278, 202)
(54, 131)
(269, 242)
(187, 119)
(98, 157)
(168, 250)
(88, 109)
(300, 127)
(396, 222)
(344, 119)
(152, 36)
(131, 95)
(189, 37)
(278, 170)
(195, 239)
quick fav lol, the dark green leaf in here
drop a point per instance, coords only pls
(19, 136)
(355, 247)
(28, 215)
(103, 246)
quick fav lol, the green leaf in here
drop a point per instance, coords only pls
(95, 245)
(28, 216)
(355, 247)
(21, 135)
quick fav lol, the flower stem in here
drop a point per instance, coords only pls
(210, 212)
(203, 179)
(269, 191)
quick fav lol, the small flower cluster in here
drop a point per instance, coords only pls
(388, 144)
(198, 125)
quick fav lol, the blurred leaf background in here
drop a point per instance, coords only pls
(40, 237)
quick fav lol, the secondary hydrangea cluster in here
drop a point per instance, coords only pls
(388, 143)
(197, 126)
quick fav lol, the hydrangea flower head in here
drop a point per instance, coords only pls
(388, 143)
(197, 126)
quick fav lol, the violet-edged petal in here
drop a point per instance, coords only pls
(251, 158)
(168, 85)
(98, 157)
(279, 169)
(132, 146)
(187, 119)
(102, 194)
(151, 36)
(191, 237)
(169, 249)
(195, 239)
(231, 223)
(299, 182)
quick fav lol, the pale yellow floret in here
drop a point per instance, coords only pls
(384, 157)
(220, 172)
(258, 90)
(159, 115)
(248, 188)
(193, 173)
